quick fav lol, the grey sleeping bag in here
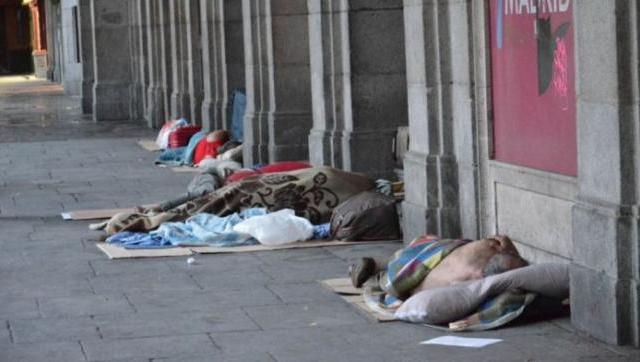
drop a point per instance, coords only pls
(447, 304)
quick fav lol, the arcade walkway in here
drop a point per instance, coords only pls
(61, 299)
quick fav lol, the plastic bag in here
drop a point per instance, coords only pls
(277, 228)
(163, 136)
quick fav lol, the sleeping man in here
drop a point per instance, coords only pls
(471, 285)
(429, 262)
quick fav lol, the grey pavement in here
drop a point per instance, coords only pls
(61, 299)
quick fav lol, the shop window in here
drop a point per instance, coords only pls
(533, 84)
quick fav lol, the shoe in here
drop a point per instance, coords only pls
(362, 271)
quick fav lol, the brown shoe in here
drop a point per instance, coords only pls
(362, 271)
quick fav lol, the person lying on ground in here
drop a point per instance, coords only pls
(429, 262)
(312, 193)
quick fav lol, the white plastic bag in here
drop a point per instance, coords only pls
(277, 228)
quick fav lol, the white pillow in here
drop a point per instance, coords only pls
(447, 304)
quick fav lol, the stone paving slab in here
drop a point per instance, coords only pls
(168, 301)
(302, 292)
(222, 357)
(171, 322)
(18, 308)
(306, 273)
(85, 305)
(239, 277)
(301, 315)
(51, 285)
(124, 268)
(105, 284)
(48, 351)
(150, 347)
(53, 329)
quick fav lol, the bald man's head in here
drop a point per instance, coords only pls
(502, 262)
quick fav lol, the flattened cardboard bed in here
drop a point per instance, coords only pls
(353, 296)
(180, 168)
(149, 145)
(96, 214)
(117, 252)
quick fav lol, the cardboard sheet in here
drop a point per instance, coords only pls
(149, 145)
(117, 252)
(185, 169)
(95, 214)
(353, 296)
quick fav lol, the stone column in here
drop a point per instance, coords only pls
(437, 79)
(322, 149)
(71, 52)
(223, 59)
(210, 18)
(154, 114)
(606, 263)
(141, 58)
(164, 60)
(233, 57)
(111, 56)
(194, 60)
(135, 104)
(278, 115)
(358, 83)
(84, 8)
(51, 24)
(180, 105)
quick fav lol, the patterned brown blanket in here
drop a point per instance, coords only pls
(311, 192)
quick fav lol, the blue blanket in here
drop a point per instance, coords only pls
(200, 230)
(181, 155)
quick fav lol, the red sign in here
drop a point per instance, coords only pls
(533, 82)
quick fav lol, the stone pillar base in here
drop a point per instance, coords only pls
(255, 148)
(208, 115)
(416, 220)
(320, 147)
(221, 119)
(253, 154)
(180, 105)
(40, 65)
(430, 194)
(290, 136)
(87, 96)
(111, 101)
(603, 302)
(357, 147)
(154, 114)
(598, 305)
(137, 103)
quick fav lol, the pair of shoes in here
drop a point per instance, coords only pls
(362, 271)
